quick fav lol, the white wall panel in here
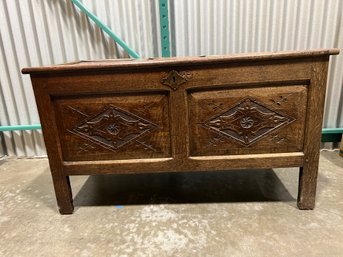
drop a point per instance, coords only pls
(40, 32)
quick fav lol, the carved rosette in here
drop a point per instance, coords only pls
(113, 128)
(175, 79)
(247, 122)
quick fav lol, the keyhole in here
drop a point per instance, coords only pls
(174, 79)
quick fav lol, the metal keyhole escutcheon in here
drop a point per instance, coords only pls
(174, 79)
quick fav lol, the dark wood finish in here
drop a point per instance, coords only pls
(316, 99)
(175, 61)
(104, 126)
(260, 119)
(183, 114)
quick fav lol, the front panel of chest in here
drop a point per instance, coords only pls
(113, 126)
(247, 120)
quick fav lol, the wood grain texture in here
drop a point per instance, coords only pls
(245, 120)
(60, 179)
(191, 164)
(316, 99)
(114, 127)
(183, 115)
(176, 61)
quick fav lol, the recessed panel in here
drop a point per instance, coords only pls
(125, 126)
(247, 120)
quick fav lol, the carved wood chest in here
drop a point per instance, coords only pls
(183, 114)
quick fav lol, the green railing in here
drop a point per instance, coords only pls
(20, 127)
(164, 27)
(105, 28)
(332, 134)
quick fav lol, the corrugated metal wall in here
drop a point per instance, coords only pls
(40, 32)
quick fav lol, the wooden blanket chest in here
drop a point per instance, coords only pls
(183, 114)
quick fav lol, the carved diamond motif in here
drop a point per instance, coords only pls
(247, 122)
(113, 128)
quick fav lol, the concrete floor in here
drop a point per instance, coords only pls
(236, 213)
